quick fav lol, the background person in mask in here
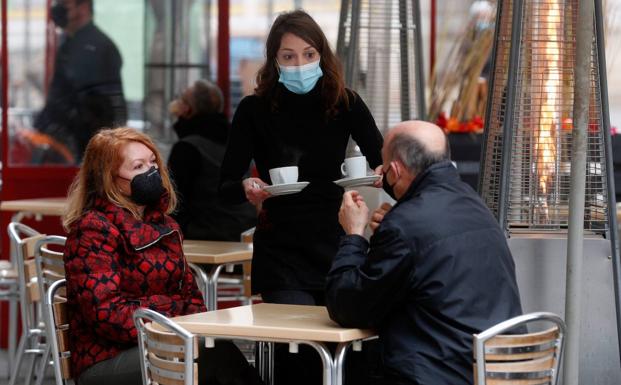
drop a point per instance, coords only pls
(195, 162)
(300, 115)
(86, 91)
(123, 252)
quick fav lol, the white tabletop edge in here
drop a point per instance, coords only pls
(251, 322)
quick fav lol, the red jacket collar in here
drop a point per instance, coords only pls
(139, 233)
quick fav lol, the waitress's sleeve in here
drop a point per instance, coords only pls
(364, 130)
(239, 153)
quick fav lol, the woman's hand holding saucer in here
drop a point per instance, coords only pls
(253, 187)
(378, 171)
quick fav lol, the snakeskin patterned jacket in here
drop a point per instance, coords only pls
(115, 264)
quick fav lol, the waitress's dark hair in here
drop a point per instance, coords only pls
(300, 24)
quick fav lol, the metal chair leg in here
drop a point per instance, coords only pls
(12, 330)
(270, 361)
(34, 353)
(18, 360)
(30, 369)
(264, 361)
(42, 364)
(259, 359)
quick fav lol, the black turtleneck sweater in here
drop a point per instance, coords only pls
(297, 235)
(184, 156)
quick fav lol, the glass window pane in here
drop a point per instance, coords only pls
(65, 76)
(179, 47)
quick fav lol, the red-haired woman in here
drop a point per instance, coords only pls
(123, 252)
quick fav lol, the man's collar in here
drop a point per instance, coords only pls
(86, 26)
(427, 176)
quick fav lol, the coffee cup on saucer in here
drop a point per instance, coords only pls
(284, 175)
(355, 167)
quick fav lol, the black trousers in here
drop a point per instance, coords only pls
(222, 365)
(304, 367)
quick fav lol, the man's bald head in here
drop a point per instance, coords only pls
(417, 144)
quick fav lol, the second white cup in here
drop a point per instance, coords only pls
(355, 167)
(283, 175)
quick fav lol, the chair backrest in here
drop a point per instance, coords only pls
(49, 263)
(247, 237)
(525, 359)
(168, 352)
(23, 240)
(57, 319)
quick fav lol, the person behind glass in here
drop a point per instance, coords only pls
(195, 162)
(123, 252)
(86, 91)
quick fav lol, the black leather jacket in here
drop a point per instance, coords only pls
(437, 270)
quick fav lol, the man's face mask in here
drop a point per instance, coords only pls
(147, 188)
(387, 186)
(300, 79)
(59, 15)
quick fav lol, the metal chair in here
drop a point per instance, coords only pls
(9, 292)
(57, 319)
(526, 359)
(32, 342)
(167, 357)
(49, 263)
(50, 267)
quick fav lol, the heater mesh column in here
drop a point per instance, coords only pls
(541, 122)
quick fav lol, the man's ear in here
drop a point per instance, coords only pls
(397, 167)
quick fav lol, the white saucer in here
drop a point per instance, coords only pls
(286, 188)
(360, 181)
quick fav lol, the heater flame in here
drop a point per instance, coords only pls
(548, 64)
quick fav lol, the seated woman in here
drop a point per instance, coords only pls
(123, 252)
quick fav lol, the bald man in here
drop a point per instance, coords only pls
(437, 268)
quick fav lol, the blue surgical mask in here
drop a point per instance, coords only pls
(300, 79)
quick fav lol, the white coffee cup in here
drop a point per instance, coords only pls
(355, 167)
(283, 175)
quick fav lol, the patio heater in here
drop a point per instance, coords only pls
(526, 164)
(379, 43)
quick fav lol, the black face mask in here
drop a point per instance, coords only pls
(387, 187)
(147, 188)
(58, 14)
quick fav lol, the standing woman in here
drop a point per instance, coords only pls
(300, 115)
